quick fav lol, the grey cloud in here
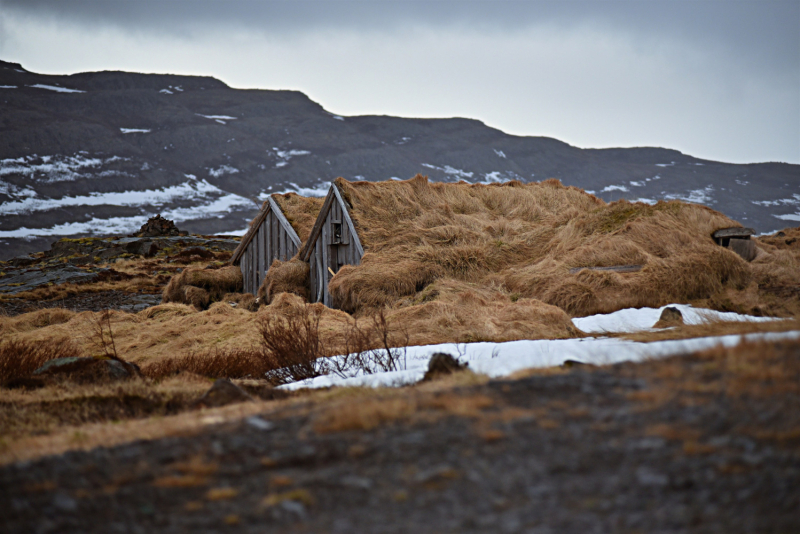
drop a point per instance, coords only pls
(762, 31)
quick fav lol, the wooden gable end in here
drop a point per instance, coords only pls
(333, 243)
(269, 238)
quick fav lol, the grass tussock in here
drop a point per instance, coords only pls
(285, 277)
(33, 320)
(525, 238)
(200, 287)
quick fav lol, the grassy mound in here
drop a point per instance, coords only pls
(536, 241)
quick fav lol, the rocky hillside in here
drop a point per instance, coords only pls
(98, 153)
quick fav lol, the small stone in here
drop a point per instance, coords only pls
(260, 424)
(65, 503)
(221, 393)
(648, 477)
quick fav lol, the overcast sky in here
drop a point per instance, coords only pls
(715, 79)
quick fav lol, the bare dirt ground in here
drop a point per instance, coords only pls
(699, 443)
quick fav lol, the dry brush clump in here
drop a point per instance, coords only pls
(200, 287)
(20, 358)
(535, 240)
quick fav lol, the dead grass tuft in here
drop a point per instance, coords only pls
(232, 362)
(199, 287)
(18, 358)
(285, 277)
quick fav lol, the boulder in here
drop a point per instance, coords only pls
(442, 364)
(221, 393)
(669, 317)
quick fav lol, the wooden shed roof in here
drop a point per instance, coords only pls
(296, 214)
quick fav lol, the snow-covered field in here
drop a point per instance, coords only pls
(503, 359)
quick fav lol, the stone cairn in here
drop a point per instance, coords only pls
(158, 226)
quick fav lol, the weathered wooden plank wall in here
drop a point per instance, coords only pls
(270, 242)
(329, 254)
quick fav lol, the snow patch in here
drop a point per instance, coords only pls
(670, 164)
(608, 188)
(697, 196)
(499, 153)
(319, 190)
(502, 359)
(222, 170)
(794, 201)
(642, 319)
(637, 184)
(8, 86)
(190, 190)
(285, 155)
(56, 88)
(646, 201)
(217, 117)
(133, 130)
(51, 169)
(789, 216)
(165, 92)
(447, 169)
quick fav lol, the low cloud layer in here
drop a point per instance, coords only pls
(718, 80)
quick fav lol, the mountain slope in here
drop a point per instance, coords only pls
(97, 153)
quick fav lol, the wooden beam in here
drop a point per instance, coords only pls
(305, 252)
(733, 232)
(346, 213)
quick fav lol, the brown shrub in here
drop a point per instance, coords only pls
(231, 362)
(292, 344)
(290, 276)
(200, 287)
(18, 358)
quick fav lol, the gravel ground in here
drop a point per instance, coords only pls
(583, 451)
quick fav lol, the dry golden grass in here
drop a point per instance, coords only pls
(523, 239)
(18, 358)
(200, 287)
(285, 277)
(301, 212)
